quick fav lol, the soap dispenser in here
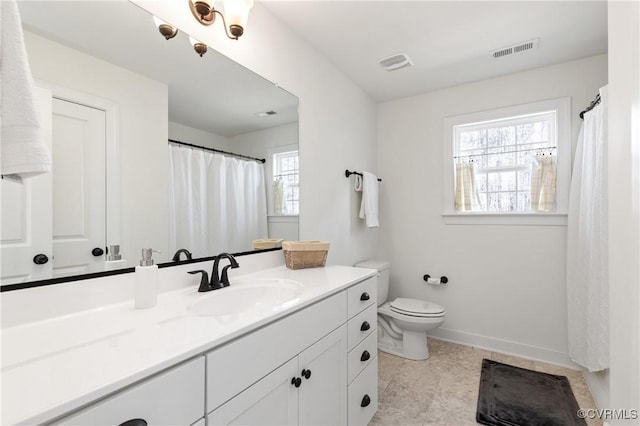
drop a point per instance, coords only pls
(146, 285)
(114, 259)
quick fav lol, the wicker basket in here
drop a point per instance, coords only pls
(305, 254)
(267, 243)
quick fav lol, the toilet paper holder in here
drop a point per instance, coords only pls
(434, 281)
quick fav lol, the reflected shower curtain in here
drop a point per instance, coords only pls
(587, 245)
(216, 203)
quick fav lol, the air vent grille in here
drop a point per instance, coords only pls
(517, 48)
(395, 62)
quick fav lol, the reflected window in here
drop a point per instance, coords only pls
(286, 199)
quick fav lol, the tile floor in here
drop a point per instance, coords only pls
(443, 390)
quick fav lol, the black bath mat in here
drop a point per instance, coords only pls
(513, 396)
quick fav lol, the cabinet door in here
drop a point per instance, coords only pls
(323, 394)
(271, 401)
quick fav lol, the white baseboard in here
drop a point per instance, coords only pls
(598, 384)
(505, 346)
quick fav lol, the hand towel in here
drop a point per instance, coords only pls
(24, 153)
(368, 185)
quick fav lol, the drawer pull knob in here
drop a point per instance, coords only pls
(97, 252)
(40, 259)
(134, 422)
(365, 296)
(306, 373)
(296, 381)
(365, 356)
(365, 401)
(365, 326)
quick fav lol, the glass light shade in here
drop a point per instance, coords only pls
(236, 12)
(159, 21)
(194, 41)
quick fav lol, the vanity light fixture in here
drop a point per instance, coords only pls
(236, 11)
(198, 46)
(167, 31)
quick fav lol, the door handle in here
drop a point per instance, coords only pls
(97, 251)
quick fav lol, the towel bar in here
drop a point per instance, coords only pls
(348, 173)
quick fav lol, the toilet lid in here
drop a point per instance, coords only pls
(416, 307)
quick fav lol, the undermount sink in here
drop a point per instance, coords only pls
(249, 295)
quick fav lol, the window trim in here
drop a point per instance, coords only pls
(278, 149)
(562, 107)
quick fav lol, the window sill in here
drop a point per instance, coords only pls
(282, 218)
(540, 219)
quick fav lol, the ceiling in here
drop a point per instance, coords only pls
(212, 93)
(449, 41)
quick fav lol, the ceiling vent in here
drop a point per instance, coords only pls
(395, 62)
(516, 48)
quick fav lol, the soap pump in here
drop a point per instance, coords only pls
(146, 285)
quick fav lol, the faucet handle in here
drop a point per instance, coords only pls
(204, 280)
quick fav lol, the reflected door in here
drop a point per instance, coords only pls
(78, 188)
(25, 233)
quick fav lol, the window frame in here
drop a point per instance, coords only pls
(562, 108)
(273, 151)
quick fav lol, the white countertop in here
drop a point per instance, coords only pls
(53, 366)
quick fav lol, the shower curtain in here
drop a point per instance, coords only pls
(587, 244)
(216, 203)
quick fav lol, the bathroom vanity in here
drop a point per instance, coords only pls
(277, 347)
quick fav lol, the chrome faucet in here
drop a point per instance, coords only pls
(187, 253)
(217, 281)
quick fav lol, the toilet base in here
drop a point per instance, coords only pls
(413, 345)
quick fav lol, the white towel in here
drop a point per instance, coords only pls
(368, 185)
(24, 153)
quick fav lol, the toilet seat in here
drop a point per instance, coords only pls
(416, 308)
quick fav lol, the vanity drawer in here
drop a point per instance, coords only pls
(362, 399)
(242, 362)
(362, 355)
(361, 296)
(173, 397)
(362, 325)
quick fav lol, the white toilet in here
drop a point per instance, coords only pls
(403, 323)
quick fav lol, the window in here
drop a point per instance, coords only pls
(286, 200)
(509, 162)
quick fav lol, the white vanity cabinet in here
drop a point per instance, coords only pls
(316, 365)
(298, 369)
(308, 389)
(173, 397)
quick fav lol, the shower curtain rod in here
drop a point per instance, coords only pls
(591, 106)
(260, 160)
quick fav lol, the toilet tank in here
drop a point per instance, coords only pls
(382, 266)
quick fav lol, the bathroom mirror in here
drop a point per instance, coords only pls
(109, 56)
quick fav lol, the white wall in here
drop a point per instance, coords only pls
(143, 110)
(624, 205)
(507, 283)
(194, 136)
(337, 122)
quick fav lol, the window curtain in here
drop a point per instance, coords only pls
(216, 203)
(466, 191)
(543, 183)
(587, 247)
